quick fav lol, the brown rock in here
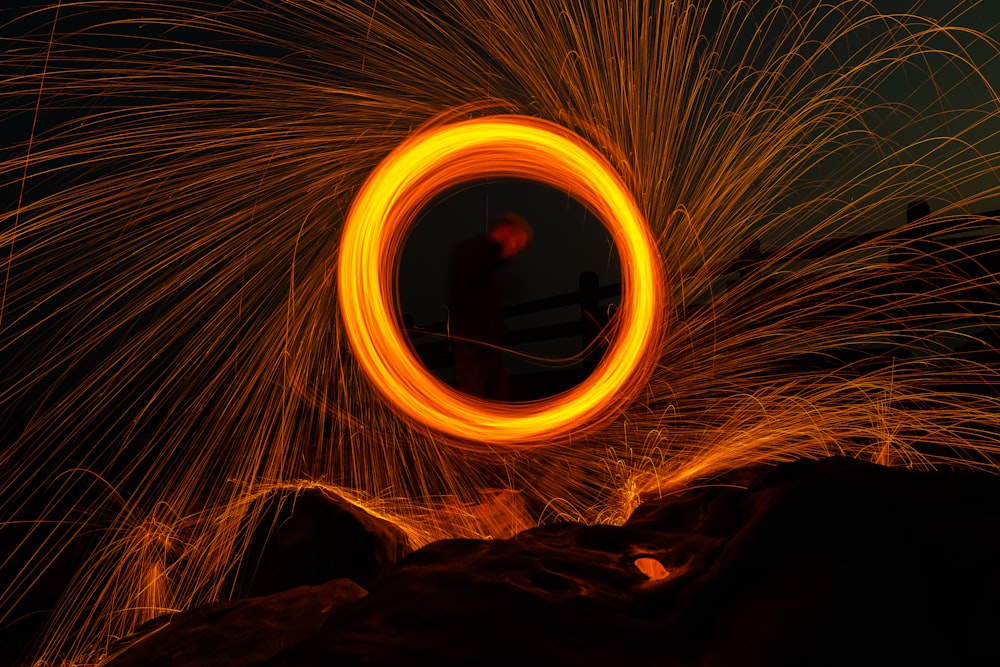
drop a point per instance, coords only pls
(832, 562)
(244, 633)
(309, 536)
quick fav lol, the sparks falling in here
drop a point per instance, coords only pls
(171, 317)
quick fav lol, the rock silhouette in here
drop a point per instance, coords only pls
(830, 562)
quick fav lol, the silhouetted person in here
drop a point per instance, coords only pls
(476, 324)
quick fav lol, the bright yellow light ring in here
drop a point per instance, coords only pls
(376, 227)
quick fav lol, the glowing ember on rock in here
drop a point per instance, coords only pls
(652, 568)
(389, 203)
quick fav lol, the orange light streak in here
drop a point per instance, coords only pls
(171, 330)
(388, 205)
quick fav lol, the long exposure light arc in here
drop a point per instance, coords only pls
(389, 203)
(172, 332)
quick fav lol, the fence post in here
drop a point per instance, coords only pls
(750, 255)
(592, 320)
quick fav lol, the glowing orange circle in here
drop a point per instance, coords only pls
(376, 227)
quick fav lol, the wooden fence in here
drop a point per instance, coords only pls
(976, 258)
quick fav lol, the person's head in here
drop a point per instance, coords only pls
(512, 233)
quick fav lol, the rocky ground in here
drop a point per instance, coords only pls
(832, 562)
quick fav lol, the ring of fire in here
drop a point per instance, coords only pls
(377, 225)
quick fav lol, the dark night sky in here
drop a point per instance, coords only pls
(568, 240)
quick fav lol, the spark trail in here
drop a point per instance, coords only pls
(172, 326)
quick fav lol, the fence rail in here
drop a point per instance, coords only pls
(977, 257)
